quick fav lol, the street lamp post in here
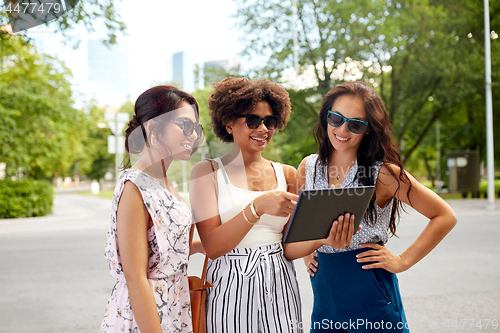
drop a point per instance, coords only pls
(295, 42)
(489, 108)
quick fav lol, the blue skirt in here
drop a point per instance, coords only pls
(348, 298)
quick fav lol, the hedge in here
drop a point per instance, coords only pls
(25, 198)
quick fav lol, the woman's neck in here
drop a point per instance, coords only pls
(342, 159)
(153, 168)
(240, 156)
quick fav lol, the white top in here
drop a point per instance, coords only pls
(232, 200)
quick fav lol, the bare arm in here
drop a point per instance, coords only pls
(218, 239)
(195, 245)
(131, 227)
(441, 220)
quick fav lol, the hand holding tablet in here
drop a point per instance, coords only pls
(341, 231)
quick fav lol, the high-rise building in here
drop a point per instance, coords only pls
(183, 70)
(226, 65)
(216, 70)
(108, 72)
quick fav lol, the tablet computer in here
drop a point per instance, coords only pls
(317, 209)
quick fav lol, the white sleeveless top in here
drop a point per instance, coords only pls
(232, 200)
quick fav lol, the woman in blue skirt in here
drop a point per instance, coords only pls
(356, 289)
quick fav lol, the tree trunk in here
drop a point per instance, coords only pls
(430, 176)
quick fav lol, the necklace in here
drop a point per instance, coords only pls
(337, 177)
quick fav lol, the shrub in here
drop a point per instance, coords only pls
(25, 198)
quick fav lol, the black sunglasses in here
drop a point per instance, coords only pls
(356, 126)
(253, 121)
(188, 127)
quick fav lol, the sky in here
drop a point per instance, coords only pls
(156, 29)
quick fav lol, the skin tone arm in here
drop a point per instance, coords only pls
(340, 234)
(441, 220)
(195, 246)
(218, 239)
(132, 223)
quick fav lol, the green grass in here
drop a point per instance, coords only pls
(483, 185)
(483, 189)
(450, 196)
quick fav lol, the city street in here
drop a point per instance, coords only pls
(53, 276)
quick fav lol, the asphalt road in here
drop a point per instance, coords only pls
(53, 276)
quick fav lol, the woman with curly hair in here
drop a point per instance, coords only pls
(149, 237)
(241, 203)
(358, 284)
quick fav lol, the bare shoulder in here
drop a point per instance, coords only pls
(290, 173)
(302, 165)
(289, 170)
(131, 205)
(389, 172)
(392, 178)
(204, 168)
(130, 193)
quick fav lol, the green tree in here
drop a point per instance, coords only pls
(39, 128)
(128, 108)
(93, 159)
(92, 14)
(417, 54)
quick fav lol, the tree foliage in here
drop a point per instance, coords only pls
(38, 124)
(91, 14)
(93, 159)
(25, 198)
(425, 58)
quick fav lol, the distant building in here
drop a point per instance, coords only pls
(216, 70)
(108, 72)
(226, 65)
(183, 70)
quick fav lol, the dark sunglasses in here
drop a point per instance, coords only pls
(356, 126)
(188, 127)
(253, 121)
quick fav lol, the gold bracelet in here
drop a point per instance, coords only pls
(254, 211)
(246, 219)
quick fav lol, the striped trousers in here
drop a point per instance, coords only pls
(255, 290)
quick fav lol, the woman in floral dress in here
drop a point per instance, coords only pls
(149, 236)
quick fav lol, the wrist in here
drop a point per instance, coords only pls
(248, 216)
(254, 211)
(404, 264)
(256, 208)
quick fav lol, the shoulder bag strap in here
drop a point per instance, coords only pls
(215, 167)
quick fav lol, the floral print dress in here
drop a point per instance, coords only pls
(168, 243)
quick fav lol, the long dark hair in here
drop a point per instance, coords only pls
(151, 104)
(376, 145)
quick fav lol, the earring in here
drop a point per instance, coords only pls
(367, 133)
(153, 140)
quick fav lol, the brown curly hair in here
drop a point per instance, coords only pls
(233, 97)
